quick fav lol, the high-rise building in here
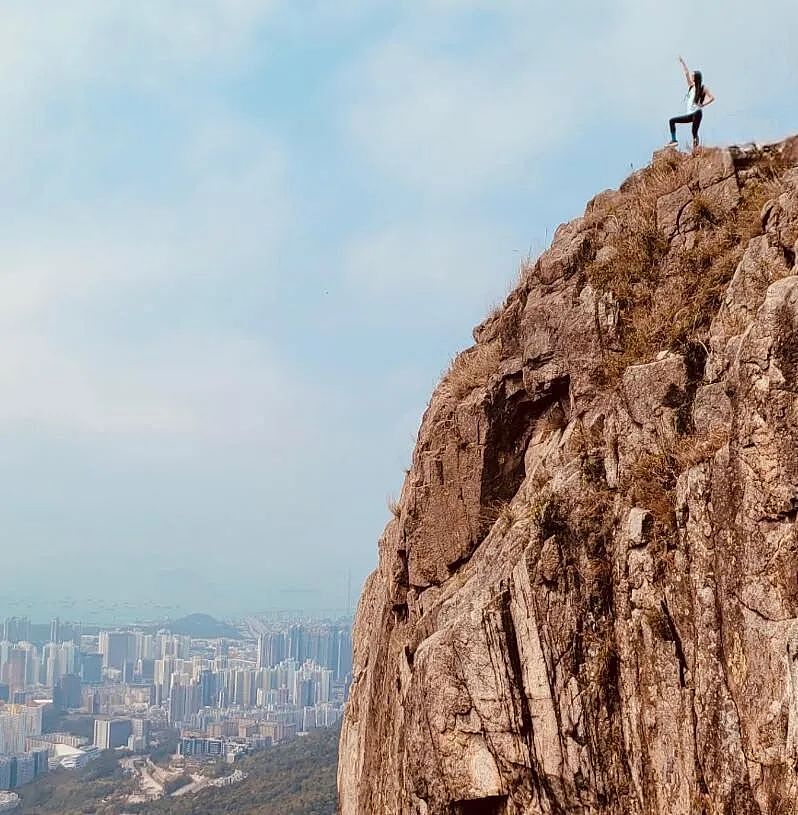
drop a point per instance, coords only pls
(145, 670)
(163, 677)
(69, 658)
(32, 663)
(5, 650)
(90, 700)
(177, 704)
(72, 633)
(5, 772)
(26, 769)
(58, 659)
(112, 733)
(296, 643)
(304, 692)
(18, 723)
(182, 646)
(16, 668)
(163, 645)
(207, 683)
(308, 718)
(324, 686)
(91, 668)
(67, 693)
(41, 758)
(55, 630)
(129, 671)
(272, 649)
(16, 629)
(114, 646)
(146, 647)
(343, 666)
(140, 735)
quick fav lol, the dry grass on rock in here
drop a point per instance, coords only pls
(471, 369)
(668, 295)
(394, 507)
(652, 480)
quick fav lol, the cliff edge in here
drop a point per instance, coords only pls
(587, 598)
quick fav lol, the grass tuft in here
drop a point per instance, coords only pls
(394, 507)
(652, 479)
(471, 369)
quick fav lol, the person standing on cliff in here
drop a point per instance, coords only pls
(698, 97)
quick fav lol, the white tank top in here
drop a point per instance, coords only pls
(692, 105)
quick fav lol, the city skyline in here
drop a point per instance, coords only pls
(70, 695)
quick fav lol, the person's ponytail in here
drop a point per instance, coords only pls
(698, 88)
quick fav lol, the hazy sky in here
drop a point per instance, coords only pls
(240, 239)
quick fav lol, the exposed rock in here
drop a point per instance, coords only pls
(549, 562)
(719, 166)
(570, 249)
(603, 202)
(724, 195)
(651, 392)
(589, 602)
(639, 526)
(712, 409)
(781, 219)
(670, 208)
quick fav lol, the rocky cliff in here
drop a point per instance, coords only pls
(587, 598)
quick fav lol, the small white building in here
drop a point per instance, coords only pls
(9, 801)
(71, 758)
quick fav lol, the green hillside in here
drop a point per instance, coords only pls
(90, 791)
(297, 778)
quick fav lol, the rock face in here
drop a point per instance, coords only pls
(588, 599)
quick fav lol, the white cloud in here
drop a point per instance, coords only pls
(92, 39)
(180, 395)
(454, 119)
(447, 264)
(453, 125)
(67, 363)
(463, 118)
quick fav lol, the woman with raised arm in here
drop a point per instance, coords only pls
(698, 97)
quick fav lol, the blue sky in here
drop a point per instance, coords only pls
(240, 240)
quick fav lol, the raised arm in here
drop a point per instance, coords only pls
(687, 75)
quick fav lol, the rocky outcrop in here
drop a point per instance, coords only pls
(587, 601)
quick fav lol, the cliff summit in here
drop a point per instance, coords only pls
(587, 598)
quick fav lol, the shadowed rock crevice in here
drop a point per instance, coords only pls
(586, 601)
(514, 421)
(495, 805)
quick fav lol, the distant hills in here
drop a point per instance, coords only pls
(202, 626)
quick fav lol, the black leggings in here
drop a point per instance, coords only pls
(694, 117)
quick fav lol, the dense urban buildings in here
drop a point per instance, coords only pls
(218, 698)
